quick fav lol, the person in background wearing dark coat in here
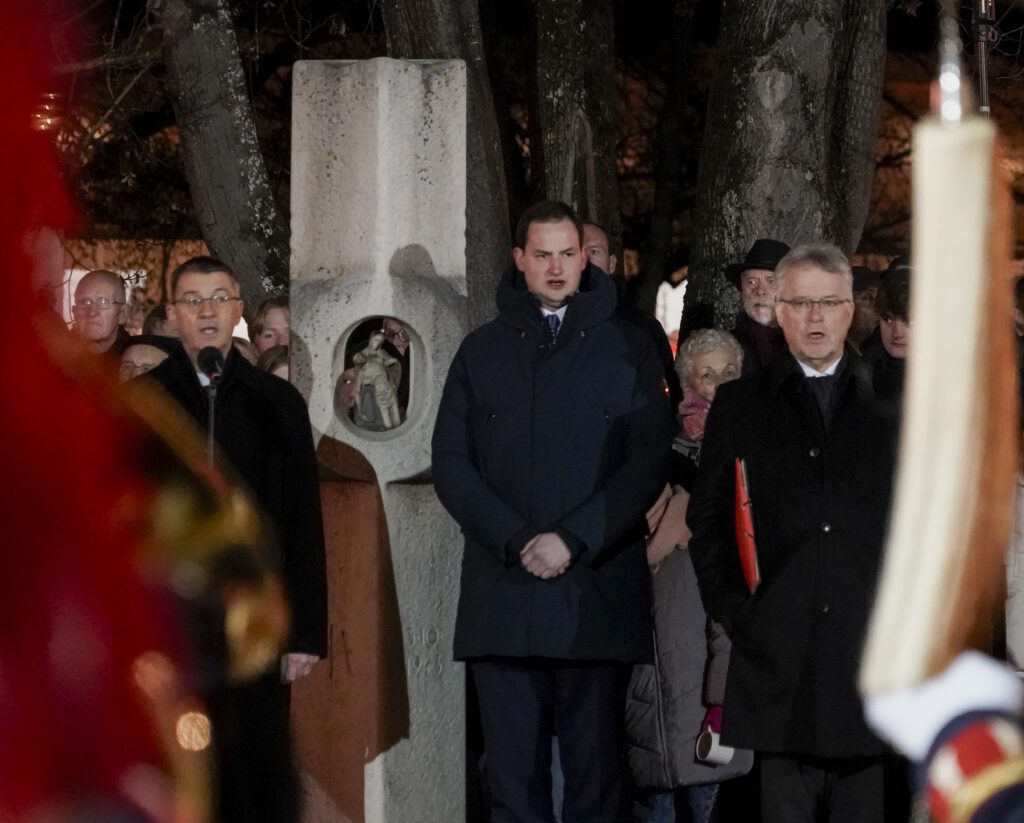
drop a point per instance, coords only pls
(595, 247)
(819, 460)
(549, 447)
(262, 428)
(756, 327)
(99, 310)
(865, 314)
(889, 359)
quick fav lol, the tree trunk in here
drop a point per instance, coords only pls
(450, 29)
(223, 164)
(792, 119)
(669, 169)
(576, 109)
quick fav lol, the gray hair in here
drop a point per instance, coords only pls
(824, 256)
(701, 342)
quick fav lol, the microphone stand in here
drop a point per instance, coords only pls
(211, 395)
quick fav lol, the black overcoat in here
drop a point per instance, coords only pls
(569, 437)
(262, 427)
(820, 500)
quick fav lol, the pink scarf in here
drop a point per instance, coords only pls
(693, 411)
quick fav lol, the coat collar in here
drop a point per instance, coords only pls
(785, 371)
(594, 302)
(785, 368)
(236, 370)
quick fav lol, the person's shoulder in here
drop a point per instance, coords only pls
(635, 327)
(646, 323)
(748, 388)
(167, 373)
(277, 389)
(488, 338)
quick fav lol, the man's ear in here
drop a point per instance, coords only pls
(612, 261)
(517, 256)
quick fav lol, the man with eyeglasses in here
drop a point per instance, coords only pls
(98, 310)
(262, 428)
(144, 353)
(816, 454)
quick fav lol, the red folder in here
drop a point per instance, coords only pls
(745, 542)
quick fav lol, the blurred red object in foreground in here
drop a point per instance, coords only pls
(74, 613)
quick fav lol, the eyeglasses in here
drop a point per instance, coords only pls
(100, 303)
(130, 369)
(802, 305)
(193, 303)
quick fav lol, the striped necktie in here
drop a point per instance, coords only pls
(554, 324)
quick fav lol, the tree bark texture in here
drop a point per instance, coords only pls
(792, 122)
(669, 160)
(227, 177)
(575, 98)
(445, 30)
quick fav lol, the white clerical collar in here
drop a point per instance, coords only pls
(560, 312)
(809, 372)
(204, 381)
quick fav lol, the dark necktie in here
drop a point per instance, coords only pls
(554, 324)
(824, 389)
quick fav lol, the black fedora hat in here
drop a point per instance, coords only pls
(764, 254)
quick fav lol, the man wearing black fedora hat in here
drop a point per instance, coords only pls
(755, 328)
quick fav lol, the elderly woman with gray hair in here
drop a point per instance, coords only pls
(671, 702)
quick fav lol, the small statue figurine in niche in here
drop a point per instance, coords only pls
(377, 375)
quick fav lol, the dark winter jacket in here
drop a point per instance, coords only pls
(570, 437)
(887, 375)
(820, 502)
(760, 344)
(262, 428)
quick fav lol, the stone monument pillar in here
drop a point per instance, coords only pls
(378, 268)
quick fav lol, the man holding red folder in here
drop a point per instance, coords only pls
(816, 454)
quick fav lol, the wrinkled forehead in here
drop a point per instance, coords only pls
(93, 285)
(203, 283)
(719, 356)
(810, 280)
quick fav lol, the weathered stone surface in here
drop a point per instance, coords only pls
(378, 230)
(380, 166)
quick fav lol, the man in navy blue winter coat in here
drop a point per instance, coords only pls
(550, 446)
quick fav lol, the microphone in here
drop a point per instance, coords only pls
(210, 362)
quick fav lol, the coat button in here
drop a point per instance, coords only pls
(826, 527)
(823, 608)
(814, 452)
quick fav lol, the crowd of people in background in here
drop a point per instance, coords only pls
(663, 597)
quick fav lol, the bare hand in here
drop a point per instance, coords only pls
(672, 532)
(545, 556)
(296, 665)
